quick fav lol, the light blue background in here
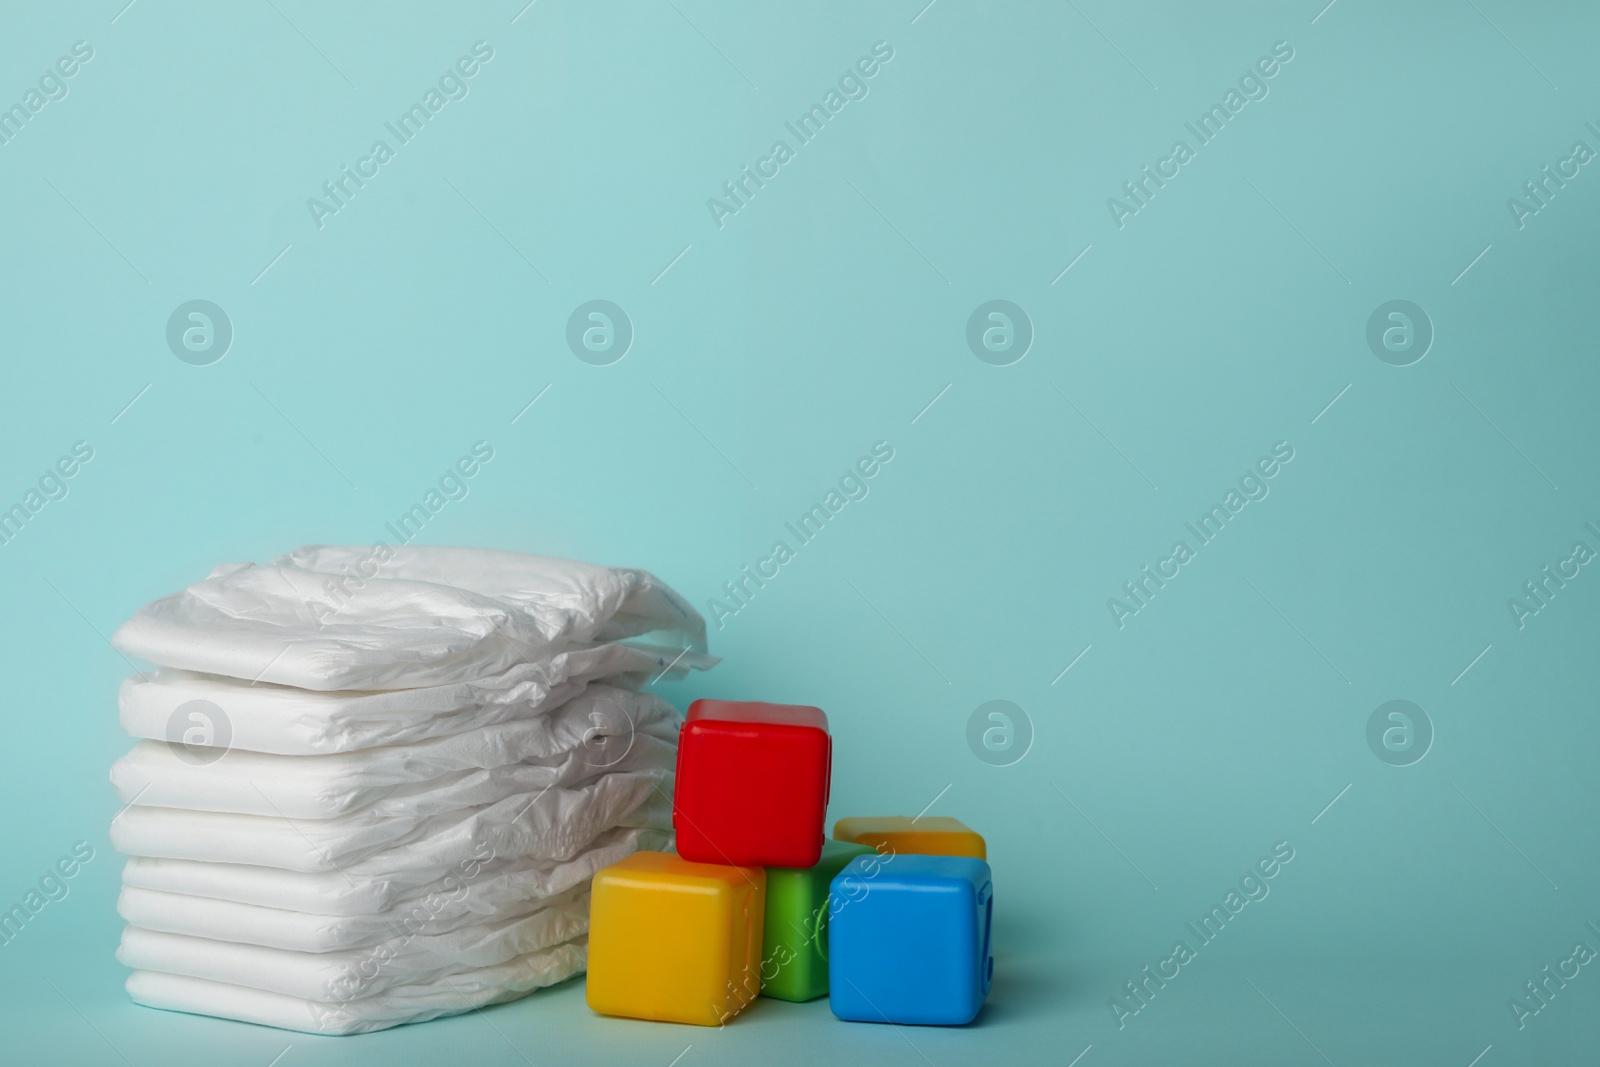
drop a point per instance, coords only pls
(824, 317)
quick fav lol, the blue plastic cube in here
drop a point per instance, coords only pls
(909, 939)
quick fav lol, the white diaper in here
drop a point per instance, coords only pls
(449, 994)
(358, 891)
(438, 912)
(349, 973)
(603, 730)
(282, 719)
(328, 618)
(556, 823)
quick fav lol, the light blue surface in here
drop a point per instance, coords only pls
(909, 940)
(831, 312)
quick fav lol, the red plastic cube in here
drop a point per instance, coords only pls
(752, 784)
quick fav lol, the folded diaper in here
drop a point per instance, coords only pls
(347, 973)
(438, 912)
(448, 793)
(359, 891)
(604, 729)
(327, 618)
(282, 719)
(556, 823)
(448, 994)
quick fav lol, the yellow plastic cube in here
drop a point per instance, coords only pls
(931, 835)
(675, 941)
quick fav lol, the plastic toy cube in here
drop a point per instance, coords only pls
(927, 836)
(673, 940)
(752, 784)
(910, 942)
(794, 950)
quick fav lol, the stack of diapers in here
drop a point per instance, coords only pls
(373, 783)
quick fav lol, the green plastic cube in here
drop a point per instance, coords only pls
(794, 948)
